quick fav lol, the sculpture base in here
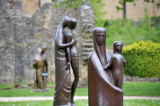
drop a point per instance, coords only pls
(73, 104)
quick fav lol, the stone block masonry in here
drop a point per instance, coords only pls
(24, 26)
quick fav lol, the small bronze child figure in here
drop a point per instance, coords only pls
(117, 64)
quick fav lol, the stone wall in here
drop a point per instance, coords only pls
(24, 27)
(86, 41)
(30, 7)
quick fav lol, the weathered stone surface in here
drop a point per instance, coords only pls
(30, 7)
(20, 35)
(88, 23)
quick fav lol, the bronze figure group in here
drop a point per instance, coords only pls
(105, 72)
(66, 55)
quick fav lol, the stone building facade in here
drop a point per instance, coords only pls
(26, 25)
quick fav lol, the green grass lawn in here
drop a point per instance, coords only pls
(52, 84)
(24, 92)
(129, 89)
(6, 86)
(141, 88)
(81, 103)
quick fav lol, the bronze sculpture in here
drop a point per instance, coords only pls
(73, 56)
(101, 88)
(45, 72)
(62, 95)
(117, 64)
(39, 66)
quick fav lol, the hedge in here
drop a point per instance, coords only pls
(143, 59)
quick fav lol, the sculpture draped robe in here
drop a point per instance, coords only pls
(101, 88)
(62, 94)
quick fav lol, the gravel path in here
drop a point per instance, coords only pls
(13, 99)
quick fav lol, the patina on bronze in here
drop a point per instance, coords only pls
(62, 95)
(73, 56)
(101, 88)
(117, 64)
(39, 66)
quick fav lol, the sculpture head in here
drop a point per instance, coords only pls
(72, 23)
(99, 35)
(44, 48)
(117, 47)
(39, 50)
(65, 21)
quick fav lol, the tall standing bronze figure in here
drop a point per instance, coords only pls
(62, 94)
(39, 66)
(101, 88)
(117, 64)
(45, 72)
(73, 57)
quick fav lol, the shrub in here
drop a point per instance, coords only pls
(143, 59)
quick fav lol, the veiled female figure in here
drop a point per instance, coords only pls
(62, 94)
(102, 91)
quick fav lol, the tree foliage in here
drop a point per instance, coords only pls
(98, 6)
(121, 2)
(69, 3)
(77, 3)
